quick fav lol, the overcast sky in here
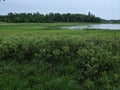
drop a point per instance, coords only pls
(107, 9)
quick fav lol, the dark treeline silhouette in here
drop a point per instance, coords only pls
(51, 17)
(113, 21)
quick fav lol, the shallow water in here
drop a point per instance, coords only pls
(96, 26)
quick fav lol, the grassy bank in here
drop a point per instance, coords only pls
(43, 57)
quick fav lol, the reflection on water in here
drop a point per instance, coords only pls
(96, 26)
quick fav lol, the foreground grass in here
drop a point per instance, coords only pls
(52, 59)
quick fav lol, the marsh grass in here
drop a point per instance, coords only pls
(58, 59)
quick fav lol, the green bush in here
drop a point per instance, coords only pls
(59, 63)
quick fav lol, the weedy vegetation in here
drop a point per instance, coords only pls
(45, 57)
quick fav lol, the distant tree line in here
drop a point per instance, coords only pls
(51, 17)
(113, 21)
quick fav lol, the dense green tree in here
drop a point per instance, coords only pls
(51, 17)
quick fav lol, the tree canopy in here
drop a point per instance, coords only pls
(51, 17)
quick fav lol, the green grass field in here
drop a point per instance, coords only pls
(42, 56)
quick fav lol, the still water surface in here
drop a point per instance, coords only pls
(96, 26)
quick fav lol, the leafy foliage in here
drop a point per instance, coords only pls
(51, 17)
(60, 60)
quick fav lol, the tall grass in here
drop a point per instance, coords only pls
(60, 60)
